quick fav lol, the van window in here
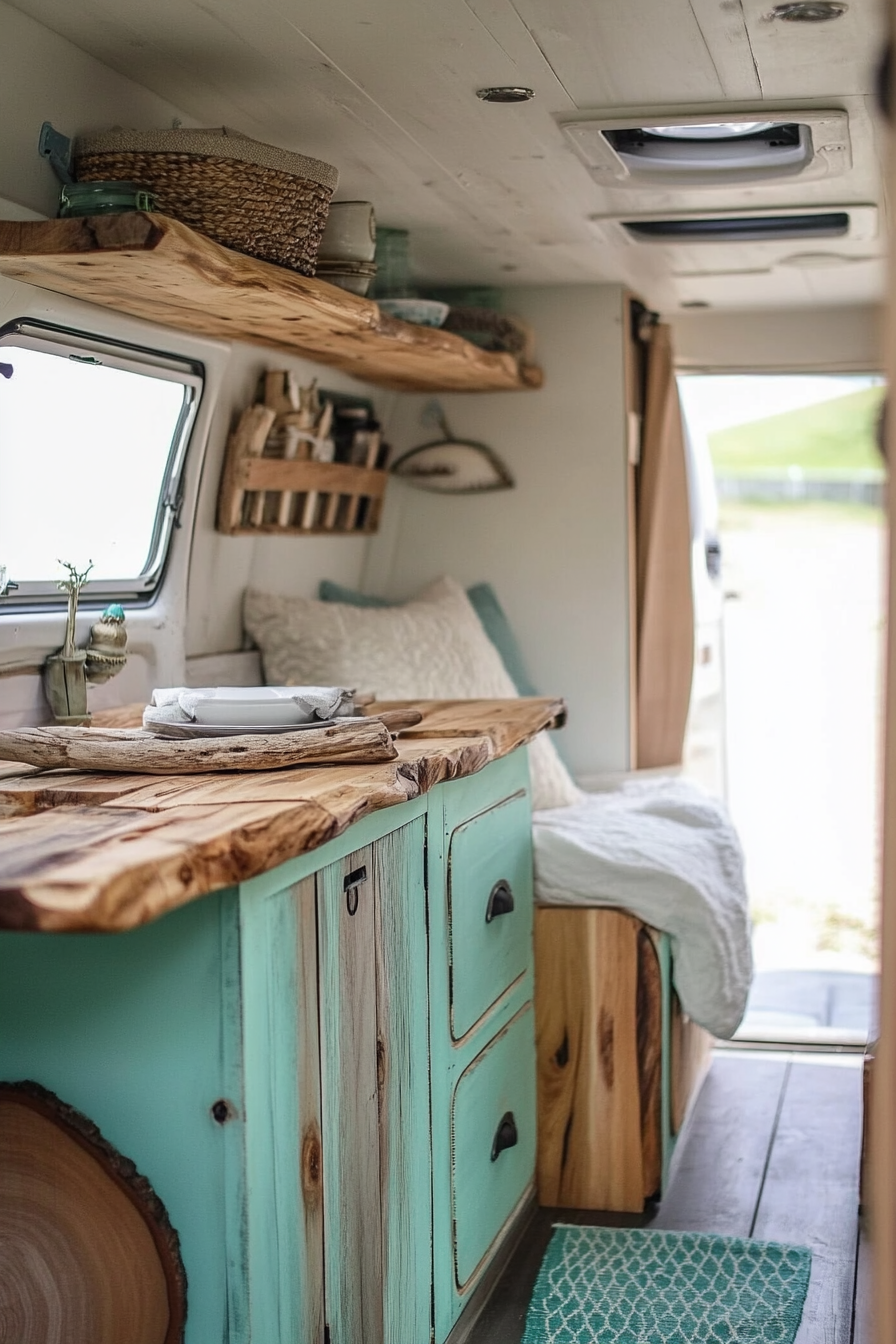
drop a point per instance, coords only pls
(92, 444)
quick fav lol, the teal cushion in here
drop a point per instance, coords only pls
(485, 603)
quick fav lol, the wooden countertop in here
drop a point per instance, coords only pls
(105, 853)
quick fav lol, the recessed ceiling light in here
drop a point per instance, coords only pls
(505, 93)
(809, 11)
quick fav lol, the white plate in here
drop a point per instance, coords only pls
(246, 706)
(185, 731)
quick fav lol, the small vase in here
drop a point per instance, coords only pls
(66, 687)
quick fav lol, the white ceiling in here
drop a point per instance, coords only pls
(385, 90)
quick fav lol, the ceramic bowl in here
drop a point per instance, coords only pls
(423, 312)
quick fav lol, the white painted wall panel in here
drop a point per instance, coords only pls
(554, 547)
(43, 77)
(837, 339)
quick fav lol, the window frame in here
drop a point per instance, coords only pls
(142, 589)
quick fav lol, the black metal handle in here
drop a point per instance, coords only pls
(506, 1135)
(351, 887)
(500, 901)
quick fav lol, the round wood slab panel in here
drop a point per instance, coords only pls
(87, 1255)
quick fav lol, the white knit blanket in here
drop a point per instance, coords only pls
(667, 852)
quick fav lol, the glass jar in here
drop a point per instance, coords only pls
(103, 198)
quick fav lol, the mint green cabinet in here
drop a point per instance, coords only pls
(482, 1038)
(312, 1069)
(492, 1142)
(489, 908)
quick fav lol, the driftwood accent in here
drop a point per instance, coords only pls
(136, 751)
(108, 852)
(598, 1040)
(90, 1256)
(157, 268)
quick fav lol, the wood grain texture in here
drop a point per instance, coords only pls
(283, 1160)
(139, 752)
(817, 1144)
(109, 852)
(590, 1151)
(720, 1162)
(350, 1049)
(691, 1050)
(506, 723)
(156, 268)
(89, 1252)
(403, 1075)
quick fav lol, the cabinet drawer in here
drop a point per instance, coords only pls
(492, 1141)
(490, 908)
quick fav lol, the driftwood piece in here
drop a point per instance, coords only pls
(154, 267)
(136, 751)
(89, 1253)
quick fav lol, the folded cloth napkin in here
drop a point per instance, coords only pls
(667, 852)
(183, 704)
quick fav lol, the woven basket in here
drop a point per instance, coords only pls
(244, 194)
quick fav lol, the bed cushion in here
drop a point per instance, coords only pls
(431, 648)
(484, 601)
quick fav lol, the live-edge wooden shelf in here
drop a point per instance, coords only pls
(157, 268)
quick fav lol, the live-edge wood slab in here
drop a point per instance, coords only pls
(157, 268)
(110, 852)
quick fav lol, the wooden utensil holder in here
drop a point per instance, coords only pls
(327, 498)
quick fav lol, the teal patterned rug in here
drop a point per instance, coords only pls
(608, 1285)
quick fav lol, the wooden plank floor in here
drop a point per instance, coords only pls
(771, 1151)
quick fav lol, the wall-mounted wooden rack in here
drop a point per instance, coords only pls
(153, 267)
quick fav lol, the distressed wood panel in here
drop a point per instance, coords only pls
(814, 60)
(403, 1076)
(817, 1145)
(724, 31)
(282, 1100)
(691, 1056)
(353, 1253)
(618, 55)
(156, 268)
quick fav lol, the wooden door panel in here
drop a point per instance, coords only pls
(353, 1250)
(403, 1066)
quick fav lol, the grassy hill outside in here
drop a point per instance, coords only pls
(830, 439)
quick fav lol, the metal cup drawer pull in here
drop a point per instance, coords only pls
(506, 1135)
(351, 886)
(500, 901)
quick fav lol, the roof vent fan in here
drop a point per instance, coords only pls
(703, 151)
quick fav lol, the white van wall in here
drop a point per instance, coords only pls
(197, 609)
(814, 340)
(43, 77)
(556, 546)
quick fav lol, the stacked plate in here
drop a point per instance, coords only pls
(348, 246)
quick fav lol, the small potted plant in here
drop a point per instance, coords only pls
(64, 680)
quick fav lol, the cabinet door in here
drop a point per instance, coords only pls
(375, 1092)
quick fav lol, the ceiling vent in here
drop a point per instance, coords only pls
(852, 223)
(699, 150)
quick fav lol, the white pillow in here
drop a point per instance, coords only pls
(431, 648)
